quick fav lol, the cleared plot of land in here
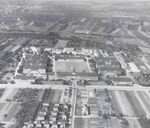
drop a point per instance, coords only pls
(97, 123)
(11, 112)
(71, 66)
(126, 103)
(8, 111)
(56, 96)
(145, 123)
(137, 107)
(8, 95)
(118, 100)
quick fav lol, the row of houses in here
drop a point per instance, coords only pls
(46, 119)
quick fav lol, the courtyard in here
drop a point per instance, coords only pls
(72, 65)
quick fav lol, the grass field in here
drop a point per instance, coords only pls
(56, 96)
(8, 111)
(79, 123)
(11, 112)
(61, 44)
(71, 65)
(97, 123)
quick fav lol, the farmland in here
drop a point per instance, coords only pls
(61, 44)
(124, 107)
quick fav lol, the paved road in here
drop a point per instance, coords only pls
(98, 117)
(88, 87)
(119, 88)
(74, 103)
(32, 86)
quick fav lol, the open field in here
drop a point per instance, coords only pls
(8, 111)
(61, 44)
(56, 96)
(137, 107)
(129, 104)
(11, 112)
(126, 103)
(8, 95)
(78, 123)
(71, 65)
(97, 123)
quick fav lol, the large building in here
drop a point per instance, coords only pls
(122, 81)
(78, 76)
(34, 65)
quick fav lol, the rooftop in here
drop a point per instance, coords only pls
(122, 79)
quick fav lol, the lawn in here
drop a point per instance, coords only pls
(1, 106)
(78, 123)
(56, 96)
(11, 112)
(71, 65)
(61, 44)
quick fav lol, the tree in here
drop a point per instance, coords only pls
(38, 81)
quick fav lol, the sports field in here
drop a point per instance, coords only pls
(71, 66)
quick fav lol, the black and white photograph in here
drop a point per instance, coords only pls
(74, 64)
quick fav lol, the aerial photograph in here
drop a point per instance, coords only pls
(74, 64)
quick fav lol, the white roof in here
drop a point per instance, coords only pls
(91, 94)
(133, 67)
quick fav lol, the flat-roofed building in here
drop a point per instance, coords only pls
(122, 81)
(110, 70)
(134, 69)
(80, 75)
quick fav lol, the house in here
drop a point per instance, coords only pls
(43, 111)
(64, 117)
(62, 125)
(38, 124)
(50, 122)
(56, 105)
(46, 124)
(28, 125)
(65, 106)
(53, 118)
(40, 116)
(134, 69)
(84, 110)
(55, 108)
(45, 105)
(54, 113)
(54, 126)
